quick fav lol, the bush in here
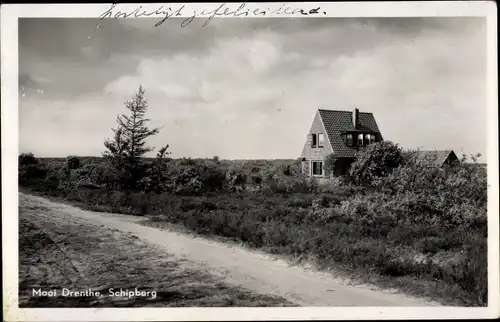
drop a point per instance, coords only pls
(375, 161)
(27, 159)
(256, 179)
(288, 184)
(300, 202)
(187, 162)
(32, 171)
(213, 178)
(455, 195)
(90, 175)
(237, 178)
(283, 178)
(474, 278)
(331, 164)
(192, 186)
(193, 178)
(73, 162)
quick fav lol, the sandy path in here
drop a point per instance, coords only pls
(251, 269)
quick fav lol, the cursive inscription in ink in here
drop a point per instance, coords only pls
(223, 10)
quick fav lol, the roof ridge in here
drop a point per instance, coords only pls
(322, 109)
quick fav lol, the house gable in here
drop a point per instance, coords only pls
(316, 153)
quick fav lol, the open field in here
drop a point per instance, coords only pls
(421, 230)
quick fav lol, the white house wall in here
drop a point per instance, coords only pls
(316, 153)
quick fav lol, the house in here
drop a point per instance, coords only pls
(436, 157)
(341, 133)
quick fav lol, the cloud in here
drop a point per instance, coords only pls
(90, 52)
(60, 127)
(40, 79)
(217, 96)
(250, 90)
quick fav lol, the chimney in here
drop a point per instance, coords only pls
(355, 118)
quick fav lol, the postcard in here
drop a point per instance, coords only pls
(250, 161)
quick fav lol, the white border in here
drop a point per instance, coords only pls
(9, 119)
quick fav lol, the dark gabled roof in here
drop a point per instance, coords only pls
(337, 122)
(436, 157)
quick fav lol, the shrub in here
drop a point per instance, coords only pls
(157, 173)
(213, 178)
(193, 186)
(475, 271)
(31, 171)
(27, 159)
(434, 244)
(255, 170)
(193, 178)
(375, 161)
(331, 164)
(288, 184)
(237, 178)
(269, 173)
(90, 175)
(282, 178)
(187, 162)
(455, 195)
(256, 179)
(299, 202)
(73, 178)
(73, 162)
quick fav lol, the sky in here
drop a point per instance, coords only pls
(249, 88)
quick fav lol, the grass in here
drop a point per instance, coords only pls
(418, 259)
(56, 254)
(432, 289)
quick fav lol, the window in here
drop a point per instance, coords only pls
(313, 142)
(321, 140)
(349, 140)
(317, 168)
(360, 139)
(367, 139)
(372, 138)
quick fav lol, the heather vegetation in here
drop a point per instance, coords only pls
(421, 224)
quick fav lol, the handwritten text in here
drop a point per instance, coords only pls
(223, 10)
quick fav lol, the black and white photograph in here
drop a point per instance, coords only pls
(249, 156)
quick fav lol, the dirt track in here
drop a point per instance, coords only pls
(252, 270)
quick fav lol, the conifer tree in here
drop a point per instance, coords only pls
(128, 146)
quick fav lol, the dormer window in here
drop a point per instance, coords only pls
(349, 140)
(314, 141)
(360, 139)
(367, 139)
